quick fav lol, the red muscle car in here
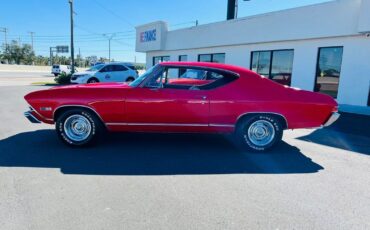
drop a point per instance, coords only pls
(183, 97)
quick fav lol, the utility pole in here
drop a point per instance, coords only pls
(79, 57)
(51, 56)
(5, 31)
(72, 44)
(31, 33)
(109, 39)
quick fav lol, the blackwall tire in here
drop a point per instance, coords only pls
(259, 133)
(78, 127)
(92, 80)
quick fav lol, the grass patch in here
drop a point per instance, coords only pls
(42, 83)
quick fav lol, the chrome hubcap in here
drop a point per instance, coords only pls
(77, 127)
(261, 133)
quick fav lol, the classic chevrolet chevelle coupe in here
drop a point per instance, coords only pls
(183, 97)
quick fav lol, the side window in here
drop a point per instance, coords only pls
(189, 79)
(119, 68)
(108, 68)
(193, 79)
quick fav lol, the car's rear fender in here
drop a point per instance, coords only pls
(283, 120)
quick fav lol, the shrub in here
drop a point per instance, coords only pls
(63, 79)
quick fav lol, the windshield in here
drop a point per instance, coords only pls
(143, 76)
(95, 68)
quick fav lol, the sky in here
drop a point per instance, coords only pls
(95, 20)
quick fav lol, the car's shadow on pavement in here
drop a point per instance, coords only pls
(149, 154)
(351, 132)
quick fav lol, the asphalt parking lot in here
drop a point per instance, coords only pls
(316, 179)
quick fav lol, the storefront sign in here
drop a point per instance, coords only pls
(148, 36)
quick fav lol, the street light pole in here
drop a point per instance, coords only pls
(72, 44)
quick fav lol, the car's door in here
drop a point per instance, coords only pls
(165, 103)
(119, 73)
(105, 74)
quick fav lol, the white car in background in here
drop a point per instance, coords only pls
(57, 69)
(110, 72)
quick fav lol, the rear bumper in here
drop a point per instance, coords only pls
(31, 117)
(333, 118)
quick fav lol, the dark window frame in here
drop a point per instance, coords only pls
(271, 56)
(271, 59)
(161, 59)
(211, 54)
(183, 55)
(318, 65)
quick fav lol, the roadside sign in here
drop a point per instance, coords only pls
(62, 49)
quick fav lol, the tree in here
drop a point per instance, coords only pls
(15, 53)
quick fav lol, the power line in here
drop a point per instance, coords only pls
(113, 13)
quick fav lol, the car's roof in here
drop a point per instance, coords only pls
(231, 68)
(119, 63)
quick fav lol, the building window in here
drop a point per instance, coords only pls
(328, 69)
(160, 59)
(277, 65)
(217, 58)
(183, 58)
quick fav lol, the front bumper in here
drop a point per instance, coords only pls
(31, 117)
(79, 80)
(333, 118)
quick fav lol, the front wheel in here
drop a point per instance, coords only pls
(259, 133)
(78, 127)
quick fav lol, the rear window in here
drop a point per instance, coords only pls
(56, 66)
(131, 67)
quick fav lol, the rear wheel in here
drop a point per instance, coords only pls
(130, 79)
(78, 127)
(92, 80)
(259, 133)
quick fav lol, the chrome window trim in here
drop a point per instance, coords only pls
(279, 114)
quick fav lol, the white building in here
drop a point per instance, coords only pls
(323, 47)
